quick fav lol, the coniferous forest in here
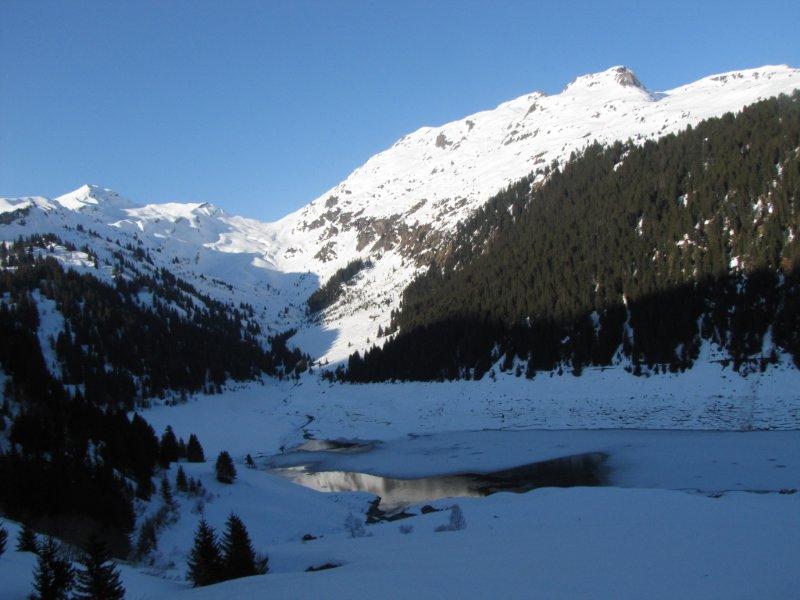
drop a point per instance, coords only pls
(634, 252)
(76, 458)
(328, 293)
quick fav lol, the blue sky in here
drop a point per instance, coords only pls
(261, 106)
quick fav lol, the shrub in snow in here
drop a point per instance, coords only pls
(199, 506)
(457, 520)
(354, 526)
(406, 529)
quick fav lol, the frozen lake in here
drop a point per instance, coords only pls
(422, 468)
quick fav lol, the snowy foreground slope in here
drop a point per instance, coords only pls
(692, 513)
(395, 210)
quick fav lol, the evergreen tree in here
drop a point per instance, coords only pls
(250, 462)
(166, 493)
(194, 451)
(205, 563)
(3, 540)
(99, 577)
(26, 540)
(147, 541)
(168, 448)
(181, 448)
(238, 556)
(180, 480)
(226, 471)
(53, 576)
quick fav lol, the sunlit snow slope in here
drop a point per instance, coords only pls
(397, 209)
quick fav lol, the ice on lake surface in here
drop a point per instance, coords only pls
(420, 469)
(394, 493)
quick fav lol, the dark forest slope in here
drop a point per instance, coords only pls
(634, 251)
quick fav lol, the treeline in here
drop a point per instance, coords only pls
(332, 289)
(144, 336)
(628, 251)
(72, 467)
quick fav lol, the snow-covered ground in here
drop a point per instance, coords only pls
(690, 512)
(706, 397)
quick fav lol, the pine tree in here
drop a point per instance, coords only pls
(180, 480)
(205, 563)
(226, 471)
(3, 540)
(194, 451)
(53, 576)
(26, 540)
(99, 578)
(250, 462)
(238, 556)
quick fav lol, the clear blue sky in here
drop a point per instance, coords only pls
(261, 106)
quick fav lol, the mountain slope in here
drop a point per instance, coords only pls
(398, 211)
(629, 254)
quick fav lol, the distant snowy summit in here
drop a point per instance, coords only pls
(397, 209)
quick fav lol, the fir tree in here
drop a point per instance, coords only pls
(53, 576)
(226, 471)
(205, 563)
(194, 451)
(238, 556)
(147, 541)
(181, 448)
(26, 540)
(168, 448)
(99, 578)
(3, 540)
(250, 462)
(180, 480)
(166, 493)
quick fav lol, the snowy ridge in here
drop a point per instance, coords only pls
(396, 210)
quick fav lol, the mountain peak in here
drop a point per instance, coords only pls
(90, 195)
(614, 78)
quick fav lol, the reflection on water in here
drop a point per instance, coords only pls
(577, 470)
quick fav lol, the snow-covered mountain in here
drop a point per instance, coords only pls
(396, 210)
